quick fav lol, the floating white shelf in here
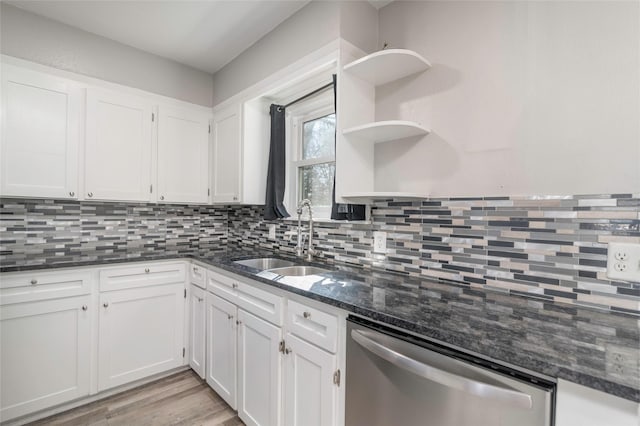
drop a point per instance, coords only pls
(388, 65)
(384, 131)
(364, 197)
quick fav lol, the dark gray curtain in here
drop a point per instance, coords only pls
(344, 211)
(276, 179)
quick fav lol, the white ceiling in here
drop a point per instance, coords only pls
(203, 34)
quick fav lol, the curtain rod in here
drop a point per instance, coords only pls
(301, 98)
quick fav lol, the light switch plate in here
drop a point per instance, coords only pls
(379, 242)
(623, 262)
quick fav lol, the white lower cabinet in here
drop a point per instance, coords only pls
(141, 333)
(221, 348)
(197, 347)
(283, 374)
(259, 370)
(310, 394)
(45, 354)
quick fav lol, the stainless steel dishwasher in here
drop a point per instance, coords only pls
(393, 378)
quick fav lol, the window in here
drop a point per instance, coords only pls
(312, 155)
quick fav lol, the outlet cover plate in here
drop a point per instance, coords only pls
(379, 242)
(272, 231)
(623, 262)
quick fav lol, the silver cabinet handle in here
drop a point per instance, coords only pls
(200, 299)
(306, 314)
(235, 198)
(229, 316)
(146, 270)
(34, 281)
(474, 387)
(238, 322)
(105, 304)
(162, 197)
(195, 269)
(85, 307)
(90, 194)
(71, 194)
(287, 351)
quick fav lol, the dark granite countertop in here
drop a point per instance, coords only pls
(594, 348)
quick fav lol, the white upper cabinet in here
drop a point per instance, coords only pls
(118, 147)
(183, 154)
(39, 134)
(227, 146)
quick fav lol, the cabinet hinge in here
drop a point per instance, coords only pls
(184, 350)
(336, 377)
(185, 293)
(281, 346)
(208, 191)
(151, 189)
(153, 117)
(209, 128)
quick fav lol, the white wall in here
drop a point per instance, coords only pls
(312, 27)
(523, 98)
(38, 39)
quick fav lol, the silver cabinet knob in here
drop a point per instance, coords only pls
(200, 299)
(229, 316)
(234, 285)
(72, 194)
(235, 198)
(306, 314)
(34, 281)
(85, 307)
(195, 269)
(105, 304)
(238, 322)
(162, 197)
(90, 194)
(287, 351)
(146, 270)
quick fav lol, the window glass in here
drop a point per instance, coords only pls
(316, 183)
(318, 137)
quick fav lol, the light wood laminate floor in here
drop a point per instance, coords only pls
(180, 399)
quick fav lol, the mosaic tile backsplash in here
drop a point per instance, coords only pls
(552, 248)
(33, 232)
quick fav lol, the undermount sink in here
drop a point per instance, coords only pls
(264, 263)
(298, 271)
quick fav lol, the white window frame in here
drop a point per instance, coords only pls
(308, 110)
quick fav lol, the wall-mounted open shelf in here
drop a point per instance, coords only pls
(384, 131)
(388, 65)
(368, 197)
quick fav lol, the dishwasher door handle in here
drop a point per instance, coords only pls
(474, 387)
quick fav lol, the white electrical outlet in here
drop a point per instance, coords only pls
(623, 262)
(379, 242)
(272, 231)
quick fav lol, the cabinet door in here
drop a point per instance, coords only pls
(196, 330)
(221, 348)
(227, 146)
(310, 396)
(259, 371)
(118, 147)
(39, 134)
(183, 156)
(141, 333)
(45, 354)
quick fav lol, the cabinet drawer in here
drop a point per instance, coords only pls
(142, 276)
(260, 303)
(198, 275)
(313, 325)
(33, 286)
(222, 285)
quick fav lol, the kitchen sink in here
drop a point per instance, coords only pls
(264, 263)
(298, 271)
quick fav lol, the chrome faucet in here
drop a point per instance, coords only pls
(300, 247)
